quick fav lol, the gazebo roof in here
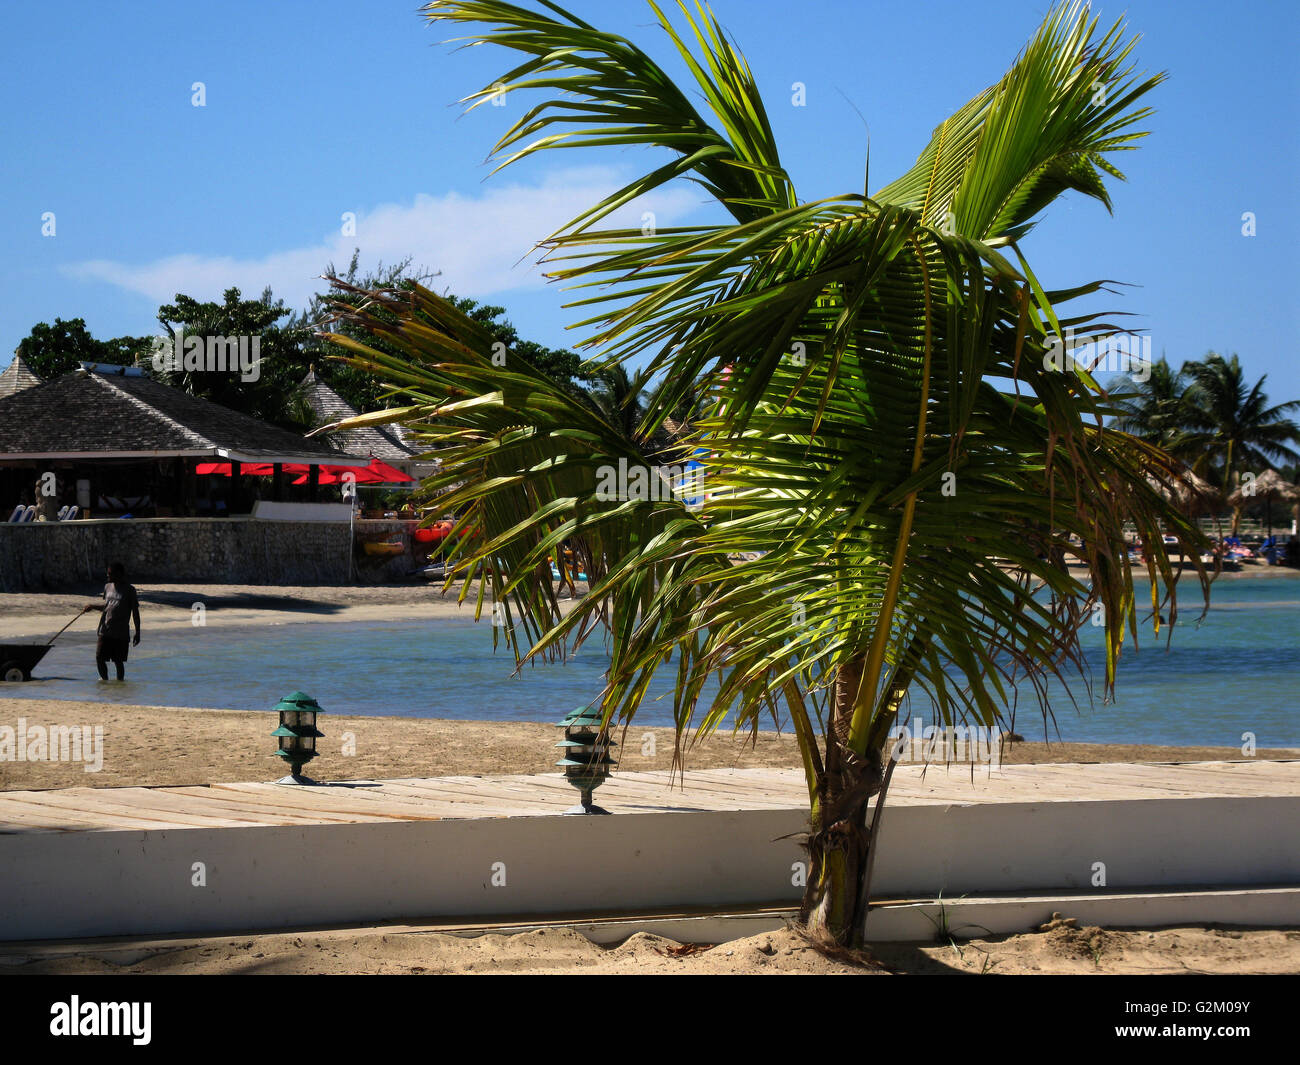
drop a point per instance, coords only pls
(102, 412)
(1269, 485)
(17, 376)
(392, 443)
(1185, 488)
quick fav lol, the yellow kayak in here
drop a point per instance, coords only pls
(383, 549)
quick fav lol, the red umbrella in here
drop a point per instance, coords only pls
(248, 469)
(378, 472)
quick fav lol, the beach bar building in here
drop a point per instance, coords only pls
(126, 452)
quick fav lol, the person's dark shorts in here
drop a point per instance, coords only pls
(113, 648)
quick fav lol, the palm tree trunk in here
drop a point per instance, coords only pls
(1227, 482)
(839, 843)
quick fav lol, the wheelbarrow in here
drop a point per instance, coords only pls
(17, 660)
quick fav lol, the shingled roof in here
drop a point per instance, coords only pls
(17, 376)
(392, 443)
(120, 413)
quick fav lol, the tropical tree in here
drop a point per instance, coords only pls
(265, 389)
(365, 391)
(891, 450)
(1232, 424)
(53, 350)
(620, 398)
(1155, 409)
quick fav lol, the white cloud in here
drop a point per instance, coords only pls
(480, 243)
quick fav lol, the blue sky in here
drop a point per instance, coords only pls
(313, 110)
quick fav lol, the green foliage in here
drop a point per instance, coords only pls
(53, 350)
(290, 345)
(365, 391)
(270, 396)
(1232, 422)
(1154, 409)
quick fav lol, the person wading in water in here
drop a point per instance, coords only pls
(120, 607)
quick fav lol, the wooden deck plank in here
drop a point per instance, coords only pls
(271, 813)
(459, 798)
(111, 805)
(308, 800)
(15, 812)
(185, 810)
(417, 798)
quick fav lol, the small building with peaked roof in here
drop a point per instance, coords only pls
(394, 444)
(17, 376)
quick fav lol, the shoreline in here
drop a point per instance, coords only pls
(35, 616)
(169, 607)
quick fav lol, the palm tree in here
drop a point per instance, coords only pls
(1155, 409)
(620, 398)
(1233, 425)
(907, 514)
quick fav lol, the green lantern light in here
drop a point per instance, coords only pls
(586, 760)
(297, 734)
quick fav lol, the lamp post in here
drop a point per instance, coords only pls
(586, 758)
(297, 734)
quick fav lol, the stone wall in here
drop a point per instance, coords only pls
(372, 570)
(46, 555)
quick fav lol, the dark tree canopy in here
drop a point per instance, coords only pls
(269, 391)
(288, 346)
(364, 391)
(53, 350)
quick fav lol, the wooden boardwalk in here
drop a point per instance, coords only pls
(74, 810)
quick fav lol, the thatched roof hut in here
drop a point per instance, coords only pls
(1267, 487)
(1192, 493)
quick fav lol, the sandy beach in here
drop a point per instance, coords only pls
(1056, 948)
(170, 606)
(234, 746)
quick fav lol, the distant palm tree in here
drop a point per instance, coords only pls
(1231, 423)
(1154, 410)
(620, 399)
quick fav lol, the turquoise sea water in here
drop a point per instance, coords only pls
(1237, 672)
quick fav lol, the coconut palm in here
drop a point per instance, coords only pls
(1232, 423)
(888, 443)
(620, 398)
(1155, 409)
